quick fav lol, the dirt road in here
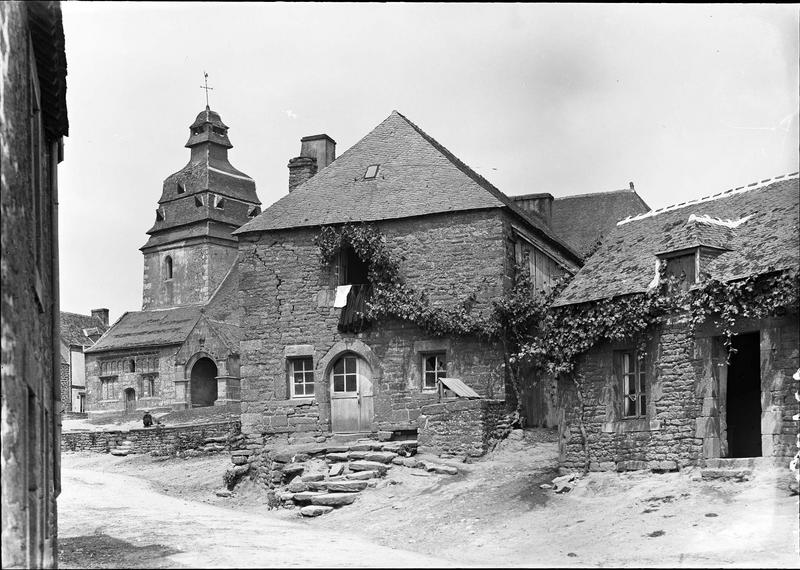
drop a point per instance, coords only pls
(111, 520)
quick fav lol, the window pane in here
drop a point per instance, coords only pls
(351, 383)
(626, 363)
(310, 389)
(643, 405)
(630, 407)
(430, 363)
(350, 365)
(430, 380)
(338, 368)
(338, 383)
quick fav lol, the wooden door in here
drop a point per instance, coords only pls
(351, 395)
(130, 400)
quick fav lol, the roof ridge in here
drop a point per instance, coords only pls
(730, 192)
(498, 194)
(585, 194)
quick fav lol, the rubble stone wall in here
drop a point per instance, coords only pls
(685, 420)
(288, 296)
(459, 427)
(163, 441)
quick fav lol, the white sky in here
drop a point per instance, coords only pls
(684, 101)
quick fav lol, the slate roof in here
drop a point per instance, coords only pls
(417, 176)
(47, 36)
(584, 219)
(149, 328)
(767, 240)
(73, 326)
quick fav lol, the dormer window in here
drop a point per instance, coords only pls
(682, 265)
(160, 215)
(181, 188)
(218, 131)
(197, 130)
(198, 201)
(219, 202)
(372, 172)
(254, 211)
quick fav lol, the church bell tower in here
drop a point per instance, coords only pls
(191, 249)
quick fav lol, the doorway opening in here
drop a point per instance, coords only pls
(204, 383)
(743, 405)
(130, 400)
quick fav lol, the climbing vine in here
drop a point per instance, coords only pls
(540, 338)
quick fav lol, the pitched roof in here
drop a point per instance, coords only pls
(47, 36)
(584, 219)
(756, 224)
(416, 176)
(149, 328)
(74, 328)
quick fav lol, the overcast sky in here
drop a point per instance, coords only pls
(684, 101)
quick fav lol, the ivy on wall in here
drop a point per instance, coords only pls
(543, 339)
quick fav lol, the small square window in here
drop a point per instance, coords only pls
(434, 366)
(372, 172)
(301, 377)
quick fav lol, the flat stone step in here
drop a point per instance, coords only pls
(362, 475)
(738, 474)
(315, 510)
(369, 466)
(333, 499)
(731, 463)
(345, 486)
(380, 456)
(121, 452)
(338, 456)
(306, 496)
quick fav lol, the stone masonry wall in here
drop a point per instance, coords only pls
(685, 421)
(287, 297)
(459, 427)
(66, 388)
(157, 440)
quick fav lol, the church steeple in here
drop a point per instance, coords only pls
(190, 246)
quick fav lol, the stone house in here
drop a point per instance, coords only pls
(181, 350)
(682, 403)
(305, 371)
(33, 121)
(78, 332)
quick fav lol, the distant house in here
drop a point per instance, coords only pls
(181, 350)
(681, 403)
(78, 332)
(34, 122)
(305, 370)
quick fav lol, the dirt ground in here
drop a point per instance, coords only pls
(494, 513)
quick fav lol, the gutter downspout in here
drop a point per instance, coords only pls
(56, 156)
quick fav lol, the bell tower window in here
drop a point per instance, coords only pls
(168, 268)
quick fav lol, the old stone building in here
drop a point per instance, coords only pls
(306, 371)
(78, 332)
(681, 403)
(181, 350)
(33, 120)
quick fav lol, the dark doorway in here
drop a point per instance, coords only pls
(744, 397)
(130, 400)
(204, 383)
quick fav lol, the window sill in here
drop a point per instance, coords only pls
(632, 425)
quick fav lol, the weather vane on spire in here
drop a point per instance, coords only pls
(206, 87)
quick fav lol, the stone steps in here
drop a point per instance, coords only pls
(353, 465)
(729, 468)
(122, 449)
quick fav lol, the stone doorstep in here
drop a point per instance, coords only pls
(730, 463)
(739, 474)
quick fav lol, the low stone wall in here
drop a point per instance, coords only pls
(157, 440)
(205, 414)
(459, 427)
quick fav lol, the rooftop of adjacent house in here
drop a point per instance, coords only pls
(149, 328)
(80, 330)
(755, 228)
(395, 171)
(584, 219)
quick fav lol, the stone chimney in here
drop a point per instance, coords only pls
(316, 152)
(538, 204)
(101, 314)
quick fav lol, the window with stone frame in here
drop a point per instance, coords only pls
(147, 385)
(630, 368)
(301, 377)
(434, 366)
(108, 388)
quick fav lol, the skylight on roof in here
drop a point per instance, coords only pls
(372, 172)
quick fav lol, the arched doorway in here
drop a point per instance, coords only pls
(350, 379)
(203, 382)
(130, 400)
